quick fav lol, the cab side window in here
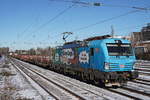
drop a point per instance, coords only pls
(91, 51)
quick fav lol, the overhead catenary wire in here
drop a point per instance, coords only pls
(126, 6)
(25, 30)
(30, 26)
(52, 19)
(43, 25)
(124, 28)
(131, 27)
(101, 4)
(75, 2)
(109, 19)
(106, 20)
(49, 21)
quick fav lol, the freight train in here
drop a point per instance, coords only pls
(103, 60)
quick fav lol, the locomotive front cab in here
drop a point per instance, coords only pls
(119, 56)
(119, 60)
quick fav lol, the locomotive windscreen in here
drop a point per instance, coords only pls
(117, 49)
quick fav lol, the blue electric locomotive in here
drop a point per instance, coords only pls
(104, 60)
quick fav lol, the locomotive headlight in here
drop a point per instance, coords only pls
(106, 66)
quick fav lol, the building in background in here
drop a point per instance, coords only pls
(141, 38)
(141, 42)
(4, 50)
(145, 33)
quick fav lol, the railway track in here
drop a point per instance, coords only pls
(62, 91)
(139, 81)
(129, 92)
(144, 80)
(138, 90)
(54, 90)
(143, 69)
(35, 80)
(135, 90)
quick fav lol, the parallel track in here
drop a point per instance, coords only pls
(42, 85)
(121, 93)
(130, 94)
(84, 95)
(141, 82)
(22, 72)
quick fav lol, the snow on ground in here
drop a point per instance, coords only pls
(141, 64)
(139, 87)
(14, 86)
(95, 89)
(144, 77)
(45, 95)
(100, 91)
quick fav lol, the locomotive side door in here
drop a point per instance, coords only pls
(91, 57)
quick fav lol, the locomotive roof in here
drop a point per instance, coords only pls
(97, 38)
(72, 44)
(108, 40)
(93, 40)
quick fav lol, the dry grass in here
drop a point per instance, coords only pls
(6, 66)
(23, 99)
(7, 94)
(9, 97)
(7, 61)
(5, 97)
(9, 88)
(5, 73)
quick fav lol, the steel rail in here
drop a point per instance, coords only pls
(71, 92)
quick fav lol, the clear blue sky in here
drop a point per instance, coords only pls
(21, 21)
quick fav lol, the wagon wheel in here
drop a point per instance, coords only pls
(83, 77)
(96, 81)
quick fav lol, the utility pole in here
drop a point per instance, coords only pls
(112, 31)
